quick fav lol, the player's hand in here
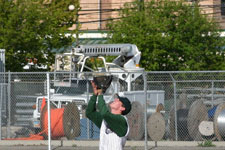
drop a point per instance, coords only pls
(94, 88)
(99, 91)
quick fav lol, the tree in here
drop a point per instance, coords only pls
(172, 35)
(30, 29)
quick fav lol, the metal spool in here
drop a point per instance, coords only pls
(219, 122)
(136, 121)
(150, 110)
(156, 126)
(71, 121)
(197, 113)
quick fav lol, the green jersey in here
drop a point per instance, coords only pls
(116, 123)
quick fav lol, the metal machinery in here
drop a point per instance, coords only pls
(74, 70)
(125, 66)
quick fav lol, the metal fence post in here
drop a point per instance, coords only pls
(212, 97)
(175, 107)
(175, 104)
(88, 121)
(2, 82)
(145, 96)
(9, 105)
(49, 112)
(1, 99)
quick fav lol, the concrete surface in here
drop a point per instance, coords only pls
(93, 145)
(96, 148)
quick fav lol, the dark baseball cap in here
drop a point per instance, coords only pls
(126, 104)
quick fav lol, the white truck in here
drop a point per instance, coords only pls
(74, 70)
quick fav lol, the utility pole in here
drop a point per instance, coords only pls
(71, 8)
(77, 28)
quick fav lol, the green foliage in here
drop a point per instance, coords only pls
(206, 143)
(172, 35)
(94, 64)
(32, 28)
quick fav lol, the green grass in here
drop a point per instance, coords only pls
(206, 143)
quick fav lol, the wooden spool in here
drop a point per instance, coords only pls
(196, 114)
(206, 128)
(219, 109)
(156, 126)
(71, 121)
(64, 122)
(159, 108)
(136, 121)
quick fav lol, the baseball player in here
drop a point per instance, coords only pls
(113, 124)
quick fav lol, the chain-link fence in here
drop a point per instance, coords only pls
(194, 104)
(19, 92)
(181, 106)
